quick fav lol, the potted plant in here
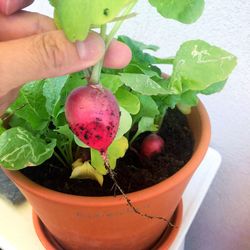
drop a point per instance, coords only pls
(103, 155)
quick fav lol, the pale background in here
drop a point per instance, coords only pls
(223, 222)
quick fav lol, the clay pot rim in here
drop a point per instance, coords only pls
(168, 184)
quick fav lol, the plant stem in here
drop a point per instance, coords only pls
(119, 23)
(129, 202)
(96, 73)
(70, 151)
(168, 60)
(131, 15)
(60, 159)
(64, 154)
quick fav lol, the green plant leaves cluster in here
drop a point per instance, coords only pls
(38, 124)
(198, 68)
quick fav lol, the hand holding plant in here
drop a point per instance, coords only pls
(142, 93)
(31, 49)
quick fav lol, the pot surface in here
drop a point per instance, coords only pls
(164, 242)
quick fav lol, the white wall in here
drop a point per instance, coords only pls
(223, 221)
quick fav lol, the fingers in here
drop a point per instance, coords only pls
(24, 24)
(8, 7)
(46, 55)
(118, 55)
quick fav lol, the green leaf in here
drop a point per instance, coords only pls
(74, 81)
(189, 98)
(17, 121)
(115, 151)
(31, 105)
(52, 91)
(143, 84)
(198, 65)
(60, 119)
(144, 125)
(19, 149)
(111, 82)
(53, 2)
(84, 171)
(171, 100)
(139, 57)
(140, 69)
(128, 101)
(185, 11)
(149, 107)
(185, 109)
(214, 88)
(79, 142)
(136, 45)
(125, 123)
(97, 161)
(66, 131)
(76, 17)
(2, 129)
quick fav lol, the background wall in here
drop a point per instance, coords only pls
(223, 221)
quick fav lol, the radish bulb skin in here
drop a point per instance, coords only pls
(93, 115)
(152, 145)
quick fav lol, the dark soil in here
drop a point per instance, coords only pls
(133, 172)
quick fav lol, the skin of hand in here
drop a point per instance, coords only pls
(31, 49)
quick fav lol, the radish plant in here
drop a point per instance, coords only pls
(152, 145)
(82, 117)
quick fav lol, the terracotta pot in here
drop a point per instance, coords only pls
(107, 222)
(164, 242)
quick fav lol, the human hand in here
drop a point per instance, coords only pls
(31, 48)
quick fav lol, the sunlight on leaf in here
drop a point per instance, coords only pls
(19, 149)
(198, 65)
(85, 171)
(115, 151)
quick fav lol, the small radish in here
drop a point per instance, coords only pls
(93, 115)
(152, 145)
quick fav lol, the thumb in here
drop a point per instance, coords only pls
(45, 55)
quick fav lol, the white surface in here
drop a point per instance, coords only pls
(16, 228)
(196, 192)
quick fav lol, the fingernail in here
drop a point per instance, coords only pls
(92, 48)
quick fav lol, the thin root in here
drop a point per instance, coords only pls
(112, 176)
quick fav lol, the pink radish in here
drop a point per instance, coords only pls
(152, 144)
(93, 115)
